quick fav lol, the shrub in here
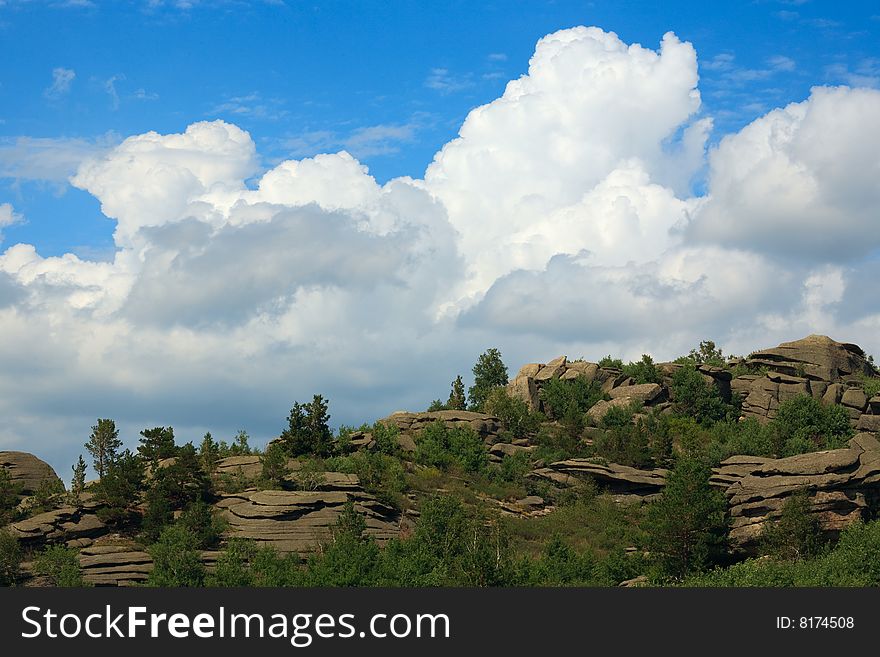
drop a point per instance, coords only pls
(795, 534)
(449, 547)
(349, 559)
(515, 467)
(870, 384)
(176, 559)
(611, 363)
(443, 447)
(627, 445)
(513, 413)
(379, 474)
(311, 475)
(705, 354)
(804, 424)
(570, 396)
(60, 565)
(200, 522)
(697, 398)
(10, 558)
(9, 496)
(643, 371)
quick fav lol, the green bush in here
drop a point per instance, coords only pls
(804, 424)
(60, 565)
(379, 474)
(795, 534)
(643, 371)
(694, 397)
(9, 496)
(870, 384)
(705, 354)
(514, 414)
(10, 558)
(444, 447)
(577, 395)
(626, 445)
(854, 561)
(176, 559)
(349, 559)
(611, 363)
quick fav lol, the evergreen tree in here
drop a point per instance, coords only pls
(489, 372)
(688, 523)
(119, 490)
(103, 445)
(209, 451)
(457, 401)
(274, 461)
(308, 430)
(9, 496)
(78, 483)
(157, 444)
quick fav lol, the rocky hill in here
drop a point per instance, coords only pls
(298, 514)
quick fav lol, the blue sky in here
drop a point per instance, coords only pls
(389, 81)
(189, 235)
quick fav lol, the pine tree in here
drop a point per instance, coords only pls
(490, 372)
(103, 445)
(78, 483)
(308, 429)
(209, 451)
(457, 401)
(157, 444)
(688, 523)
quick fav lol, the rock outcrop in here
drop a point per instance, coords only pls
(27, 471)
(299, 521)
(487, 427)
(842, 486)
(115, 565)
(611, 477)
(73, 525)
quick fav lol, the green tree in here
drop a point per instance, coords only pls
(695, 397)
(643, 371)
(489, 372)
(209, 452)
(795, 534)
(308, 430)
(60, 565)
(274, 461)
(10, 558)
(687, 525)
(176, 559)
(513, 412)
(157, 444)
(457, 400)
(10, 492)
(103, 445)
(78, 482)
(120, 489)
(443, 447)
(705, 354)
(804, 424)
(350, 558)
(175, 487)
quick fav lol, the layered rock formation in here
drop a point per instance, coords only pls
(611, 477)
(299, 521)
(487, 426)
(27, 471)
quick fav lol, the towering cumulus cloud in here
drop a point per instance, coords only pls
(562, 219)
